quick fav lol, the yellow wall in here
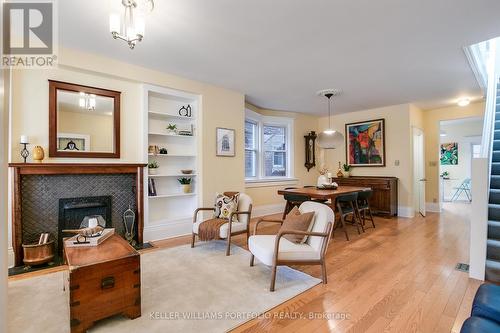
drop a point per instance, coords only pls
(431, 125)
(397, 148)
(98, 126)
(220, 108)
(303, 124)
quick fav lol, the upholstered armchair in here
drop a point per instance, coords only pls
(238, 223)
(274, 250)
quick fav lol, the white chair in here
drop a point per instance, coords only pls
(274, 250)
(239, 225)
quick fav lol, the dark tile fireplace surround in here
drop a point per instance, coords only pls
(52, 197)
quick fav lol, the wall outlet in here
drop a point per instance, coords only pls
(396, 162)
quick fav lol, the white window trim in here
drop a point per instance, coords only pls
(262, 120)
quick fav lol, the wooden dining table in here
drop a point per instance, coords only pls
(323, 194)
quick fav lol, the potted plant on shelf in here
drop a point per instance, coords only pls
(172, 129)
(185, 184)
(153, 167)
(347, 170)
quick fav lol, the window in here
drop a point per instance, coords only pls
(267, 148)
(250, 149)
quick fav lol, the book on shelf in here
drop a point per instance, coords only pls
(152, 188)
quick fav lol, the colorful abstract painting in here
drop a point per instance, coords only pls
(365, 144)
(449, 153)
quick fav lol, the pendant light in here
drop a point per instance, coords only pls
(329, 138)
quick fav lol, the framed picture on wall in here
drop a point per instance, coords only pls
(225, 142)
(449, 153)
(365, 143)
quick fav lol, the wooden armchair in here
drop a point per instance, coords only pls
(235, 226)
(274, 250)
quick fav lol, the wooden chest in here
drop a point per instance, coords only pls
(104, 280)
(385, 192)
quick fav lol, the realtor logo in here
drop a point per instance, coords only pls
(28, 34)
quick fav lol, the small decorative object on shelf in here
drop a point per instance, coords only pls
(153, 149)
(129, 223)
(163, 151)
(153, 167)
(185, 184)
(187, 172)
(38, 154)
(347, 169)
(340, 174)
(185, 133)
(445, 175)
(24, 152)
(310, 150)
(185, 111)
(172, 129)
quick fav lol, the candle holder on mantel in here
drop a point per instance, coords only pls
(24, 152)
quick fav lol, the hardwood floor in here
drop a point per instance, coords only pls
(398, 277)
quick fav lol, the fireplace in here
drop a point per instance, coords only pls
(72, 211)
(38, 189)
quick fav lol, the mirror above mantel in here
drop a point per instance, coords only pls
(83, 121)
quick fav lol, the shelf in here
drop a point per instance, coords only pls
(169, 116)
(174, 195)
(172, 155)
(173, 175)
(174, 135)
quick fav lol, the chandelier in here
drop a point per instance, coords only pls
(130, 26)
(87, 101)
(329, 138)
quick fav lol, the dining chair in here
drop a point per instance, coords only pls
(293, 200)
(346, 206)
(464, 187)
(363, 206)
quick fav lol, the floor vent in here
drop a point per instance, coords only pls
(462, 267)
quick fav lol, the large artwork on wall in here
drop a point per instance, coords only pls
(365, 143)
(449, 153)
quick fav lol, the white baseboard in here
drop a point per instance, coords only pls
(264, 210)
(433, 207)
(167, 230)
(11, 257)
(404, 211)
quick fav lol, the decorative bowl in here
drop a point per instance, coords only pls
(187, 172)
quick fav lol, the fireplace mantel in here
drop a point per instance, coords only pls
(26, 169)
(75, 168)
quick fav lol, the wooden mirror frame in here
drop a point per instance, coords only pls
(58, 85)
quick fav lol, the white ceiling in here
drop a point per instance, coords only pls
(280, 52)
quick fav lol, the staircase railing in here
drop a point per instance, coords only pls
(481, 170)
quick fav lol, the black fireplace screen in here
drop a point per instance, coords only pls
(72, 211)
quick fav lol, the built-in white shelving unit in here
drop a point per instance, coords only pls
(169, 213)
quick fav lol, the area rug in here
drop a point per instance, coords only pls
(183, 290)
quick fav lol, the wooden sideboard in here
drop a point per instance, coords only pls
(385, 192)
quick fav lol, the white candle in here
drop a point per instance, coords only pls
(329, 175)
(24, 139)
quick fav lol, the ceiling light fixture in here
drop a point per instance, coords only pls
(463, 102)
(330, 138)
(131, 25)
(87, 101)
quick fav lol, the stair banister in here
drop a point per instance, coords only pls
(481, 171)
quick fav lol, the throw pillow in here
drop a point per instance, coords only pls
(225, 205)
(297, 222)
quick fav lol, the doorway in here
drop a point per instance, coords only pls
(460, 140)
(419, 171)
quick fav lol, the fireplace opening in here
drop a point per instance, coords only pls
(72, 211)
